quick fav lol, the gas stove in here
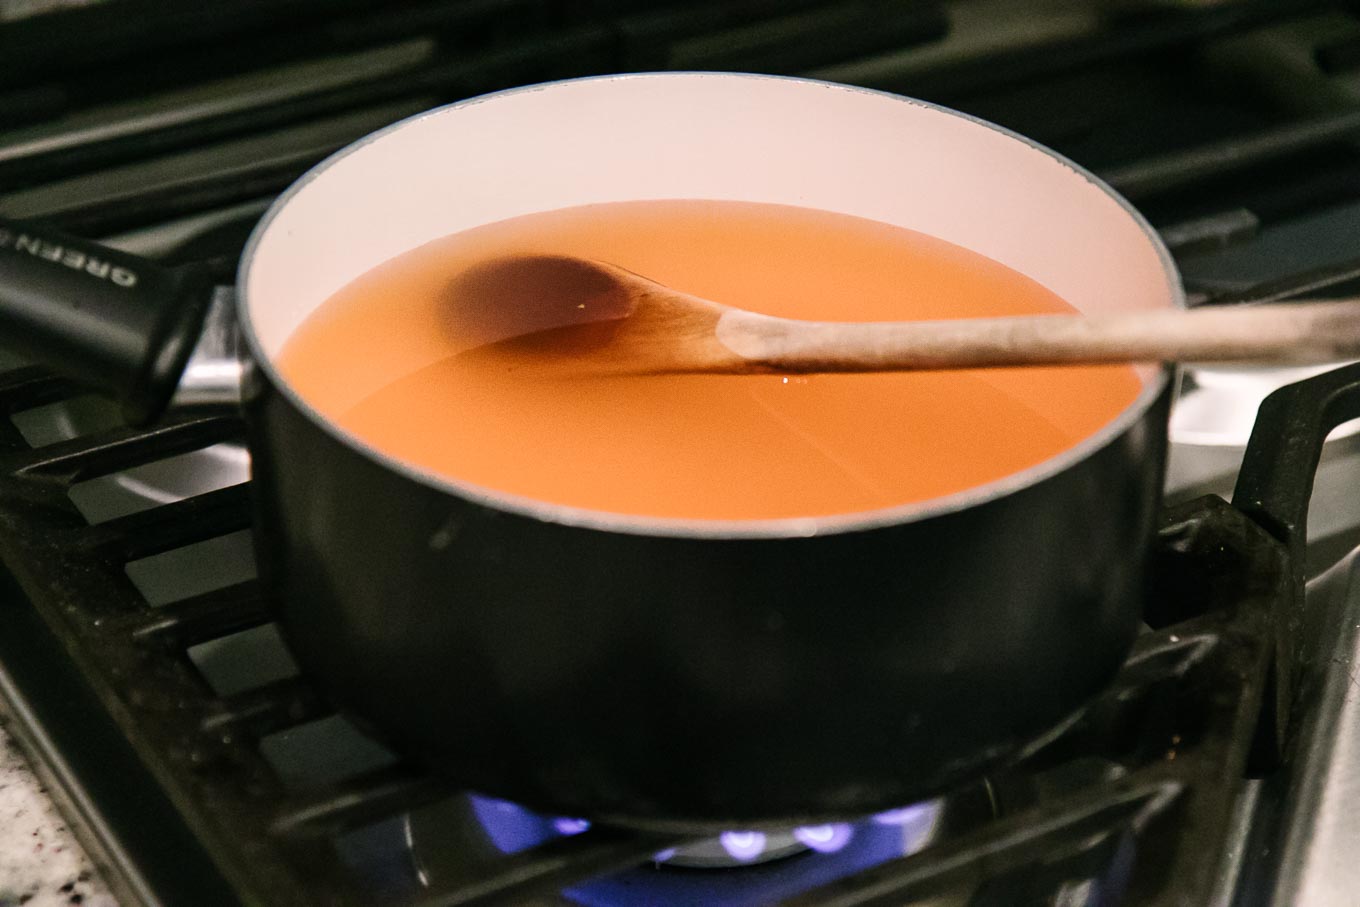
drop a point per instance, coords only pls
(141, 672)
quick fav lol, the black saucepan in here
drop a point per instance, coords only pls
(656, 671)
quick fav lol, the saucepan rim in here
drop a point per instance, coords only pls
(775, 528)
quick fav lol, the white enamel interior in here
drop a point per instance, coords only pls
(706, 136)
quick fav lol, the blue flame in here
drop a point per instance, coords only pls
(825, 838)
(570, 826)
(742, 845)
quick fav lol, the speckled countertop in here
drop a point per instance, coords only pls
(41, 865)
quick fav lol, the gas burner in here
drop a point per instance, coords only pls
(752, 866)
(513, 828)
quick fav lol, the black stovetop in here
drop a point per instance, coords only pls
(199, 774)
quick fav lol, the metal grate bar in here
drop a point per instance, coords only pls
(1001, 849)
(997, 64)
(267, 709)
(186, 182)
(25, 388)
(377, 795)
(10, 437)
(185, 117)
(1179, 169)
(91, 456)
(547, 869)
(204, 617)
(1295, 285)
(169, 526)
(1156, 655)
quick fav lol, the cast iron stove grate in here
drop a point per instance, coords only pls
(167, 784)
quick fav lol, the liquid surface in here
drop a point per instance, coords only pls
(386, 362)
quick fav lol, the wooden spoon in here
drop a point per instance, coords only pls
(597, 318)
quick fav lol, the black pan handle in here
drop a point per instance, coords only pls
(1276, 479)
(113, 321)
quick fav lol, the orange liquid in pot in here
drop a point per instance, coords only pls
(380, 361)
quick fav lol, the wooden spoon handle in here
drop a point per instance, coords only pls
(1281, 333)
